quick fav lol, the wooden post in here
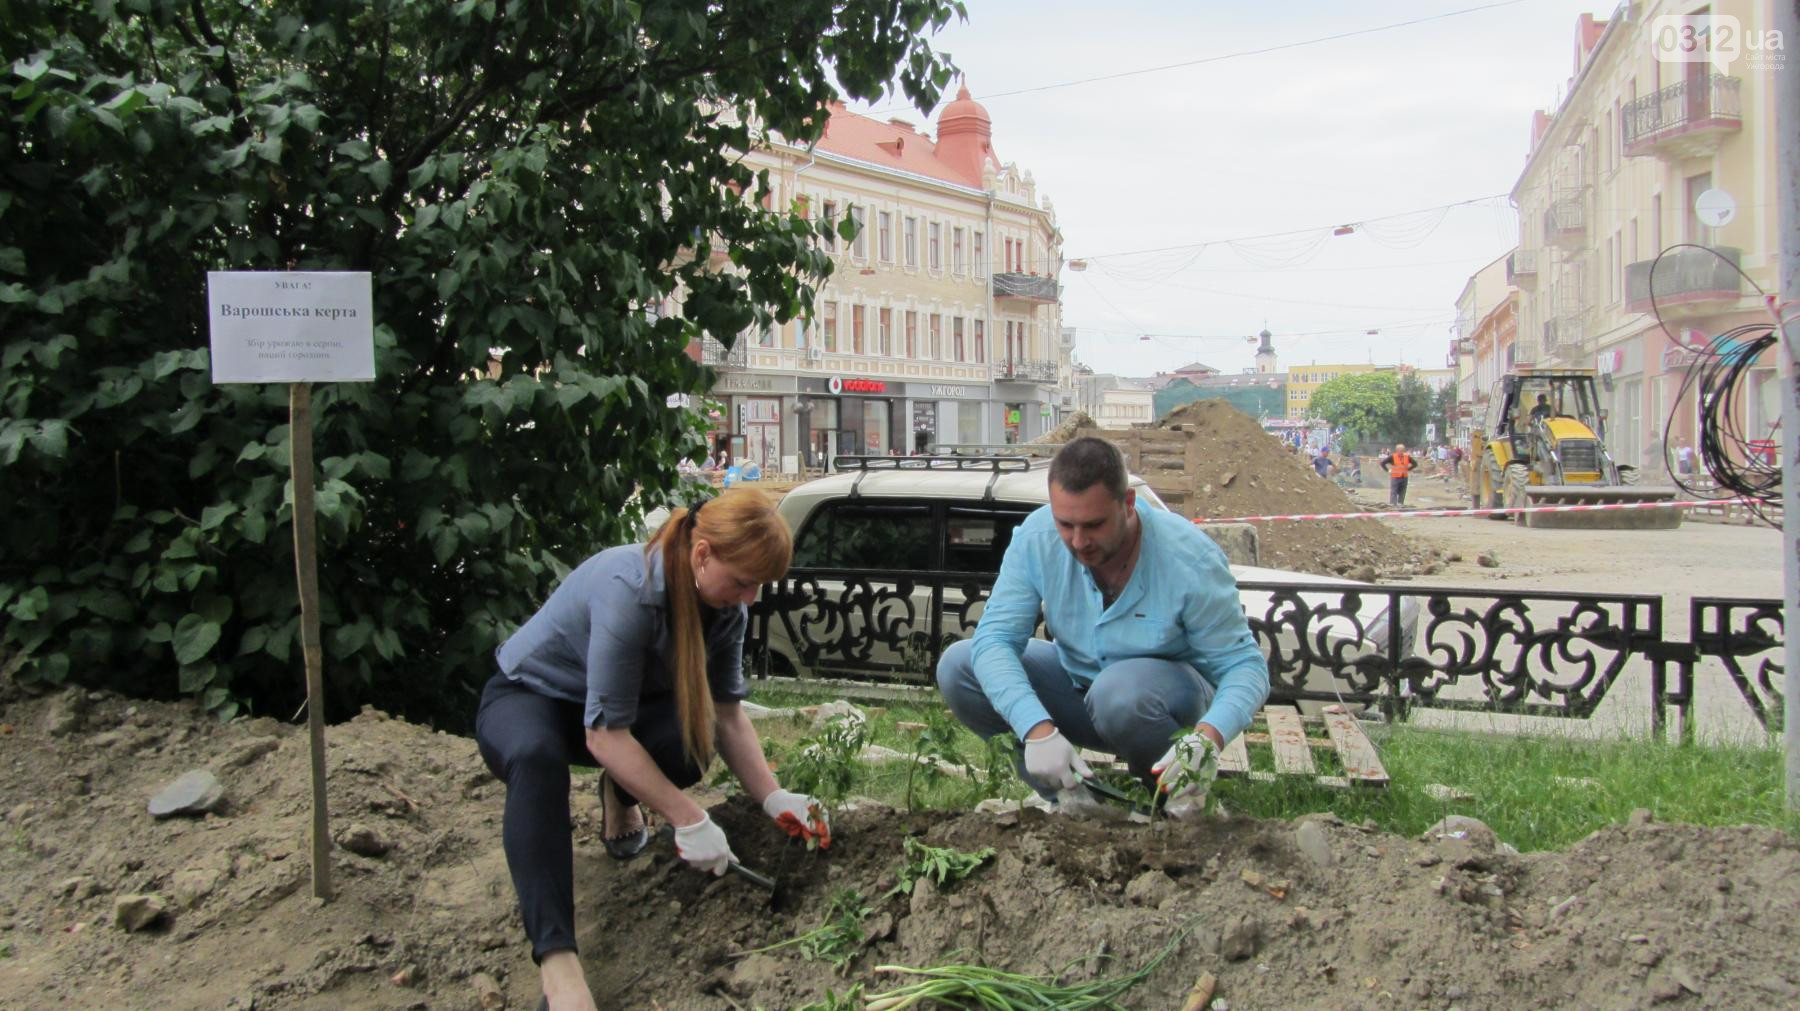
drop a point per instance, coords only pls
(306, 570)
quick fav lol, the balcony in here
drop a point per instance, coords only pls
(1025, 370)
(718, 356)
(1565, 223)
(1685, 277)
(1562, 337)
(1522, 269)
(1687, 119)
(1026, 288)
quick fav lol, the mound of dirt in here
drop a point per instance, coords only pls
(1244, 471)
(1309, 914)
(1066, 430)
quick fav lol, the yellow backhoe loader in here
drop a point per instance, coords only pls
(1543, 443)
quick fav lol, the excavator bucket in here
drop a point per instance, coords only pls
(1600, 519)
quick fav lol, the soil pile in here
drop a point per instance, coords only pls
(1244, 471)
(1065, 431)
(1307, 914)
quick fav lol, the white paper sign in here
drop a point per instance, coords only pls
(290, 326)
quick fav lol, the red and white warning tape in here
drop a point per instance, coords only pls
(1433, 513)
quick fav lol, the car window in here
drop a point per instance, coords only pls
(865, 535)
(975, 537)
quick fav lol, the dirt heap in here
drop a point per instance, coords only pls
(1238, 469)
(1309, 914)
(1065, 431)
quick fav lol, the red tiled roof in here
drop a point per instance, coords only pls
(888, 145)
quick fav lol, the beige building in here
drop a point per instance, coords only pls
(1476, 355)
(1615, 174)
(942, 321)
(1302, 380)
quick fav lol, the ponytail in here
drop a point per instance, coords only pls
(743, 531)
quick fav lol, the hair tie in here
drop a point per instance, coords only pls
(693, 513)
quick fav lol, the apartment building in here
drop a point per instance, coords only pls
(1617, 173)
(1302, 380)
(942, 321)
(1481, 350)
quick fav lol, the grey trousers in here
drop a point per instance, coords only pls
(1134, 709)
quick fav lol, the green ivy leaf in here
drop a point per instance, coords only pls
(194, 638)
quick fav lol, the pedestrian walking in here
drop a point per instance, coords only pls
(1399, 464)
(1322, 463)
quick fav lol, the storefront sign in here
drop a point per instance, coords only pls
(841, 385)
(1607, 362)
(946, 392)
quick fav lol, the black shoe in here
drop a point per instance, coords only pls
(628, 845)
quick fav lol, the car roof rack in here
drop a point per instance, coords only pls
(1029, 450)
(993, 465)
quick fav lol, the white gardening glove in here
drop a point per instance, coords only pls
(1187, 770)
(799, 816)
(1053, 762)
(703, 846)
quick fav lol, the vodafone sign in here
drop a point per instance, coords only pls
(837, 384)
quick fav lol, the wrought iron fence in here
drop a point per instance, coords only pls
(1397, 649)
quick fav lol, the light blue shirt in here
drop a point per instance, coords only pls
(1181, 603)
(602, 639)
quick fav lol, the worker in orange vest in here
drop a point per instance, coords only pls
(1399, 464)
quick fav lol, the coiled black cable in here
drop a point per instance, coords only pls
(1739, 466)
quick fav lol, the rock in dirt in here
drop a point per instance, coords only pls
(1242, 939)
(132, 913)
(1151, 888)
(1314, 844)
(63, 715)
(1488, 560)
(488, 992)
(245, 752)
(1361, 574)
(363, 840)
(195, 792)
(1446, 794)
(831, 710)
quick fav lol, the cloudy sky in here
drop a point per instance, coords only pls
(1415, 133)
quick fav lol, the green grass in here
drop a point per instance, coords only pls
(1522, 787)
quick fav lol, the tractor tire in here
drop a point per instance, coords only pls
(1516, 480)
(1494, 481)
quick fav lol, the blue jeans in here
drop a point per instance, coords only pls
(1134, 709)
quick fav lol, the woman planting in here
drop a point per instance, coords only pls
(634, 664)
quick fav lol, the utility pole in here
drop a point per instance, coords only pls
(1786, 86)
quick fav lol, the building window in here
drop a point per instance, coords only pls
(912, 334)
(885, 221)
(956, 251)
(856, 331)
(859, 246)
(831, 327)
(765, 337)
(934, 256)
(884, 322)
(980, 263)
(935, 346)
(912, 242)
(800, 333)
(980, 339)
(956, 337)
(831, 225)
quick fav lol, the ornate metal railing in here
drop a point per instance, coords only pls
(716, 354)
(1030, 287)
(1714, 97)
(1026, 369)
(1397, 649)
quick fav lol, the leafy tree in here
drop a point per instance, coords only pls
(1359, 402)
(529, 182)
(1412, 410)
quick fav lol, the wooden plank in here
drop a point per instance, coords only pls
(1235, 759)
(1313, 742)
(1357, 753)
(1287, 735)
